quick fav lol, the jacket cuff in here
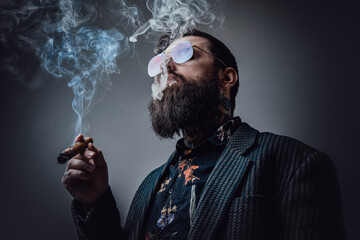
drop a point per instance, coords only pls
(98, 220)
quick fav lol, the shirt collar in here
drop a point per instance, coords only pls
(220, 137)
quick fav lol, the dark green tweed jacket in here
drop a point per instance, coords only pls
(264, 186)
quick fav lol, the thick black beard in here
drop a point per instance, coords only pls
(186, 104)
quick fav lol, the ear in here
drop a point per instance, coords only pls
(228, 78)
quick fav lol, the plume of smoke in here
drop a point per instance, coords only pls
(160, 81)
(124, 15)
(84, 54)
(175, 16)
(76, 13)
(87, 57)
(70, 44)
(22, 37)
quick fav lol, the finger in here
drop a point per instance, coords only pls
(98, 156)
(72, 175)
(79, 138)
(89, 154)
(86, 155)
(80, 165)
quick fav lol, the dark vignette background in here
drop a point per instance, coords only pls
(298, 76)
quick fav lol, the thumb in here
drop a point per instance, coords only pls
(79, 138)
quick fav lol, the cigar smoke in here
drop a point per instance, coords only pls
(71, 42)
(176, 15)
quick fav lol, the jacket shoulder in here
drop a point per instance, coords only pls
(247, 140)
(286, 147)
(275, 155)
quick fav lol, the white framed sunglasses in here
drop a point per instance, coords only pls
(180, 53)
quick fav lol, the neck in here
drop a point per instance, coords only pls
(193, 136)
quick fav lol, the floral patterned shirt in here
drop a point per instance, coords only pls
(174, 207)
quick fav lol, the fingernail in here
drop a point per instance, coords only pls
(91, 166)
(91, 154)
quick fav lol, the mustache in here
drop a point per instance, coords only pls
(177, 76)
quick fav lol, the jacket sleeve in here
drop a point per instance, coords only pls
(101, 221)
(311, 206)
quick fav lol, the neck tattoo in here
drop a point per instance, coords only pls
(194, 136)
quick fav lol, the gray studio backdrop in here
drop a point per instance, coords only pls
(297, 67)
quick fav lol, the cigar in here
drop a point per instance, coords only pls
(71, 151)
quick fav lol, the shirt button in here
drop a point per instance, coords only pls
(171, 191)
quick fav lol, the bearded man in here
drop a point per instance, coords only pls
(225, 180)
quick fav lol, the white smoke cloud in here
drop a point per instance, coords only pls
(175, 16)
(71, 43)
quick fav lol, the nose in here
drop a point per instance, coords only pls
(171, 65)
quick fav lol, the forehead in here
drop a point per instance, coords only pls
(195, 40)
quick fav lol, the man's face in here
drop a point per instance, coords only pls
(192, 95)
(199, 65)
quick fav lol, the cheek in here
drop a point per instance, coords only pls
(188, 71)
(195, 73)
(195, 69)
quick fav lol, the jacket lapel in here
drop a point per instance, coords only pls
(222, 183)
(143, 206)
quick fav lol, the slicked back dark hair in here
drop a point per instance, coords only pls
(217, 48)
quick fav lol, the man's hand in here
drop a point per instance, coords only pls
(86, 175)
